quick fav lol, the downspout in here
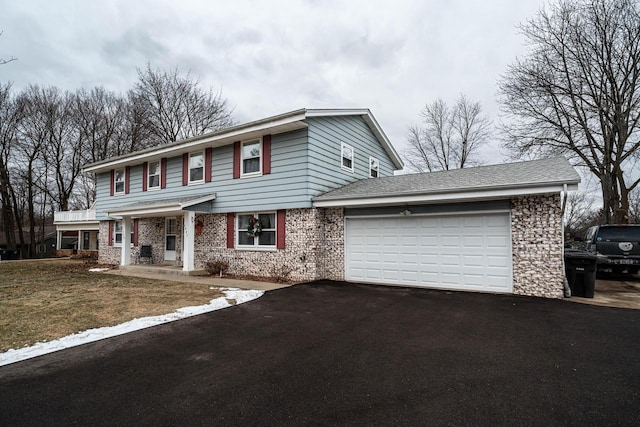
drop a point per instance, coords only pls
(567, 289)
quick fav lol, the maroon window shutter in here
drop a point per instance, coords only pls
(208, 154)
(266, 154)
(110, 238)
(280, 231)
(236, 159)
(127, 176)
(135, 232)
(231, 220)
(145, 172)
(163, 173)
(113, 178)
(185, 169)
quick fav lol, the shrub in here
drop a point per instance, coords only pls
(218, 267)
(281, 273)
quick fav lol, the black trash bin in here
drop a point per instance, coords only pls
(580, 268)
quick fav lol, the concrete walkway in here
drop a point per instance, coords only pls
(207, 280)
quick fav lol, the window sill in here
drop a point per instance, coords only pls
(347, 169)
(153, 188)
(256, 248)
(250, 175)
(196, 182)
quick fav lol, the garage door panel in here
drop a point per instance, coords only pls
(450, 260)
(466, 251)
(497, 242)
(473, 261)
(497, 261)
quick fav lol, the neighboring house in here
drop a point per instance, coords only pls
(77, 231)
(319, 185)
(45, 243)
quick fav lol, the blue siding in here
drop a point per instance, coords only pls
(284, 188)
(304, 164)
(326, 135)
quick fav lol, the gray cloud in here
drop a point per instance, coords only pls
(270, 57)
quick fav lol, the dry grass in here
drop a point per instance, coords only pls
(42, 301)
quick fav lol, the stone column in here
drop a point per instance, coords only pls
(188, 241)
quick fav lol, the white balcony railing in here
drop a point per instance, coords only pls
(74, 216)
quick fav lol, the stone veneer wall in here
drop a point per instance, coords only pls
(150, 232)
(536, 234)
(313, 249)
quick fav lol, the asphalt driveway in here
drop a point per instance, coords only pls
(330, 353)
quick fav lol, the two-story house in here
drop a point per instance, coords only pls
(194, 200)
(313, 192)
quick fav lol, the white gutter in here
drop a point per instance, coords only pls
(567, 289)
(221, 138)
(469, 195)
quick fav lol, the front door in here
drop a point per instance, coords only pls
(170, 239)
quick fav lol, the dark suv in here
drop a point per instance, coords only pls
(616, 246)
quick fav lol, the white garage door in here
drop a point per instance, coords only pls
(469, 251)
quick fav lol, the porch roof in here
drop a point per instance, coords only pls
(164, 207)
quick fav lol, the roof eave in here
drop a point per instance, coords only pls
(440, 197)
(275, 124)
(174, 208)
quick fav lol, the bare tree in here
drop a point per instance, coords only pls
(579, 212)
(449, 138)
(29, 158)
(9, 118)
(175, 107)
(64, 150)
(634, 206)
(6, 61)
(577, 93)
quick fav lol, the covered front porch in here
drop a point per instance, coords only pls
(162, 232)
(77, 231)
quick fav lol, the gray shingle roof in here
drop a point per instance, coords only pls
(149, 204)
(510, 175)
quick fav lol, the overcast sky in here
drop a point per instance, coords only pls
(269, 57)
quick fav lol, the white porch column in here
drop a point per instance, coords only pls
(125, 256)
(58, 240)
(188, 241)
(79, 246)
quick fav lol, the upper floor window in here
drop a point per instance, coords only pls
(196, 167)
(374, 166)
(347, 157)
(154, 175)
(266, 235)
(251, 157)
(118, 181)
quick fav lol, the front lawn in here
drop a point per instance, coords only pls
(42, 301)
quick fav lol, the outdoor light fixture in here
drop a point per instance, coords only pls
(405, 212)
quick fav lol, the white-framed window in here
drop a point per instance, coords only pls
(196, 167)
(374, 167)
(153, 175)
(118, 181)
(346, 157)
(251, 162)
(117, 234)
(267, 236)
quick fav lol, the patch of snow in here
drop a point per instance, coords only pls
(91, 335)
(98, 270)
